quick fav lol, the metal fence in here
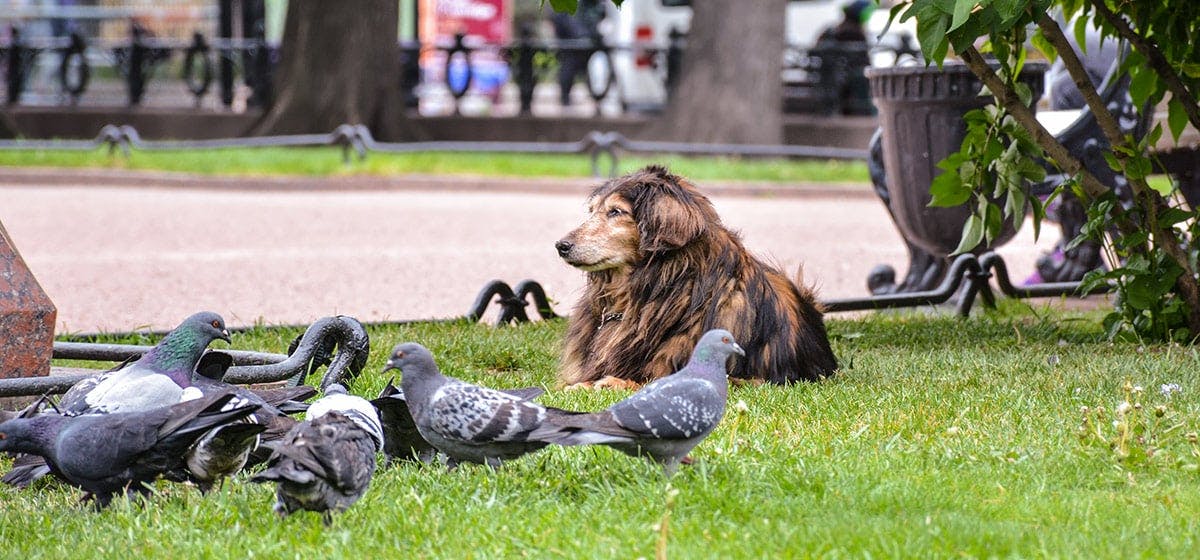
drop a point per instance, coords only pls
(201, 70)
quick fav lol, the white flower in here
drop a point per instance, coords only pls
(1124, 408)
(1167, 388)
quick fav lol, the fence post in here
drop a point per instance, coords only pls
(16, 68)
(225, 53)
(526, 80)
(135, 76)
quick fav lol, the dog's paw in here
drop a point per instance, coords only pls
(607, 382)
(610, 382)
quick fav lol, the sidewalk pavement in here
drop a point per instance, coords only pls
(118, 251)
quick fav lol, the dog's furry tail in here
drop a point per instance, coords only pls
(807, 292)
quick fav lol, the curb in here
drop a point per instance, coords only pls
(57, 177)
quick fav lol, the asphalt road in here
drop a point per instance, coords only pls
(117, 257)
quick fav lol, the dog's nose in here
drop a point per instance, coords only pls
(563, 247)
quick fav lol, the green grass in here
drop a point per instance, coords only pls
(939, 438)
(328, 161)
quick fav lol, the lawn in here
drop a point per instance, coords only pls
(940, 437)
(328, 161)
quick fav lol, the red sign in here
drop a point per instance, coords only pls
(482, 21)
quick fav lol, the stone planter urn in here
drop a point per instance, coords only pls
(921, 122)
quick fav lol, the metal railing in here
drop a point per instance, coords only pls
(356, 140)
(968, 277)
(202, 61)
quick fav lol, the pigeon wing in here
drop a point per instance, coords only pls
(676, 408)
(474, 414)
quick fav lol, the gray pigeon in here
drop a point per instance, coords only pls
(222, 452)
(107, 454)
(325, 463)
(466, 422)
(666, 418)
(158, 378)
(226, 451)
(401, 439)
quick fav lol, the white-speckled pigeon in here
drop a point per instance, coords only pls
(466, 422)
(669, 416)
(158, 378)
(325, 463)
(401, 439)
(107, 454)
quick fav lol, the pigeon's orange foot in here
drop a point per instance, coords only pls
(686, 460)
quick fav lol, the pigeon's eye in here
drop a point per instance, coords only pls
(2, 436)
(399, 354)
(614, 212)
(216, 324)
(725, 339)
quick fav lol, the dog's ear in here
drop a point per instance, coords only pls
(667, 222)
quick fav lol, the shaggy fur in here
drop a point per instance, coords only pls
(662, 270)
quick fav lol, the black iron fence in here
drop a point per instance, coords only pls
(813, 76)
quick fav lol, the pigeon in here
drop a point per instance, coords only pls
(160, 377)
(463, 421)
(325, 463)
(276, 423)
(401, 439)
(106, 454)
(667, 417)
(221, 453)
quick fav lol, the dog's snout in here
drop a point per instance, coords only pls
(564, 247)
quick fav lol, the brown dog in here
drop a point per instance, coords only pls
(662, 270)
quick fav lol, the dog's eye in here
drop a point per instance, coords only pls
(614, 212)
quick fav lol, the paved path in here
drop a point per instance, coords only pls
(117, 252)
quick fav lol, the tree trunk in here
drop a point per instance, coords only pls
(339, 65)
(730, 88)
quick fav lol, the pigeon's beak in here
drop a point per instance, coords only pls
(738, 349)
(389, 365)
(225, 336)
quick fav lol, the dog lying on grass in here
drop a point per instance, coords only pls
(662, 270)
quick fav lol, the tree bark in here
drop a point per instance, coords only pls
(339, 65)
(730, 88)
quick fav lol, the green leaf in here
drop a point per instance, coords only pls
(1009, 10)
(1039, 214)
(1142, 83)
(993, 222)
(1139, 167)
(1177, 118)
(1113, 163)
(568, 6)
(1023, 93)
(971, 236)
(948, 190)
(1081, 33)
(931, 33)
(962, 9)
(1173, 216)
(1043, 45)
(1191, 69)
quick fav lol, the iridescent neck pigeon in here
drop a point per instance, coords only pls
(107, 454)
(466, 422)
(158, 378)
(666, 418)
(325, 463)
